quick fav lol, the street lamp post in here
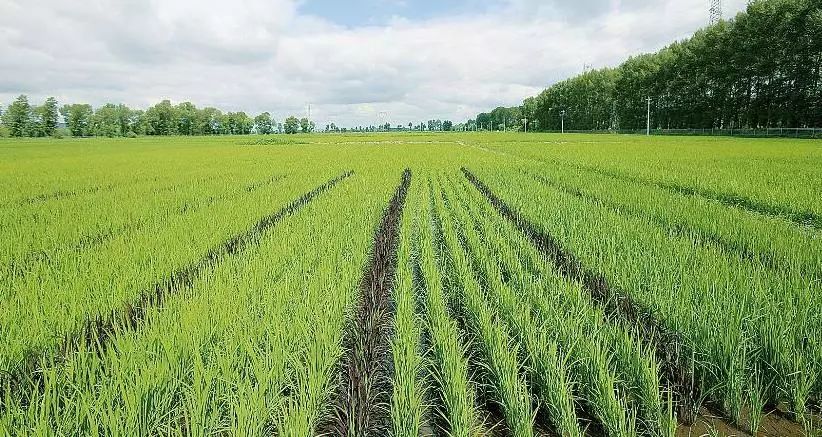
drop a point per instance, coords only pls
(562, 117)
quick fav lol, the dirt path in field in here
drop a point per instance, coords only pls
(362, 403)
(97, 332)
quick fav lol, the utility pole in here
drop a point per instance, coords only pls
(648, 119)
(382, 119)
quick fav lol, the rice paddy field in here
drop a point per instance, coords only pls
(411, 284)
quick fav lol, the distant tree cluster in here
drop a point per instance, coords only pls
(761, 69)
(21, 119)
(501, 119)
(431, 126)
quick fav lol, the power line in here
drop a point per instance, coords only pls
(715, 11)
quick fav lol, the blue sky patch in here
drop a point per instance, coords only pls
(357, 13)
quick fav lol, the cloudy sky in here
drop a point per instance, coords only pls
(355, 61)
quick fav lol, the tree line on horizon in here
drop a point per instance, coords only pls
(761, 69)
(22, 119)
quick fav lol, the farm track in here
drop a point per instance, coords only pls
(362, 403)
(704, 238)
(17, 269)
(97, 333)
(800, 218)
(671, 350)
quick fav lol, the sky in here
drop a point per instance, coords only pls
(356, 62)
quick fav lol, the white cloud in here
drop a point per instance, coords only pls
(260, 55)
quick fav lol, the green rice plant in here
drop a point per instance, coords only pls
(500, 355)
(637, 370)
(546, 366)
(726, 168)
(250, 348)
(448, 349)
(117, 205)
(57, 304)
(771, 242)
(641, 372)
(409, 391)
(757, 399)
(697, 232)
(722, 307)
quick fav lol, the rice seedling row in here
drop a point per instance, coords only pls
(563, 316)
(684, 367)
(409, 415)
(773, 179)
(86, 221)
(798, 217)
(97, 328)
(53, 252)
(770, 243)
(496, 352)
(452, 392)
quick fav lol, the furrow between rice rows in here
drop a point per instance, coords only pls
(362, 402)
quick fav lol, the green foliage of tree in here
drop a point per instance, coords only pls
(185, 119)
(77, 117)
(209, 121)
(106, 121)
(761, 69)
(236, 123)
(160, 119)
(306, 125)
(137, 122)
(47, 115)
(17, 117)
(291, 125)
(264, 124)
